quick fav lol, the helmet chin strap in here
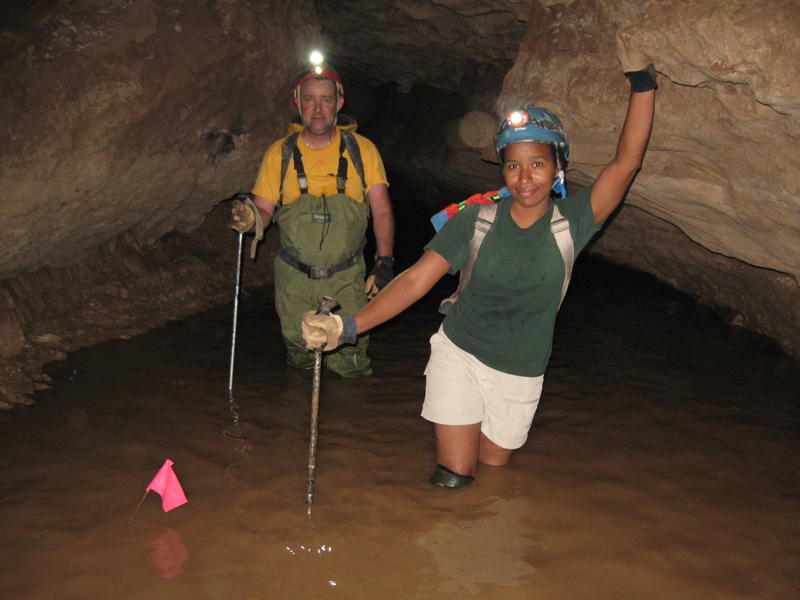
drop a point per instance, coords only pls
(558, 184)
(558, 181)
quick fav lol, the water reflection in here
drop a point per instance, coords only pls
(167, 554)
(240, 444)
(490, 546)
(301, 548)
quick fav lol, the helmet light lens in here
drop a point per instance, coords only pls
(517, 118)
(316, 58)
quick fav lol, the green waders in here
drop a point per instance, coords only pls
(322, 242)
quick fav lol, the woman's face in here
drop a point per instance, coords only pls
(529, 169)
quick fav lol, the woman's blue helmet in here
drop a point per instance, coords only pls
(530, 123)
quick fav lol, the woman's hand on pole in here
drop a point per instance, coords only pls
(329, 332)
(322, 332)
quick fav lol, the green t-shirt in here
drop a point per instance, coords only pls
(506, 313)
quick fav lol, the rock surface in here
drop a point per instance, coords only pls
(124, 122)
(411, 42)
(721, 180)
(135, 116)
(722, 166)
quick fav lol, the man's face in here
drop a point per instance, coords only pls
(318, 105)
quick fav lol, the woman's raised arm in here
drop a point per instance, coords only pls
(617, 175)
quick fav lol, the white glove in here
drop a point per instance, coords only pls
(630, 57)
(322, 330)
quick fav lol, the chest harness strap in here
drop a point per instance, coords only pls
(559, 226)
(290, 150)
(347, 141)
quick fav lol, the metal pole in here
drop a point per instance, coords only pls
(328, 304)
(312, 445)
(235, 310)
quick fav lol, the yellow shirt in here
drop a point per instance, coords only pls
(321, 167)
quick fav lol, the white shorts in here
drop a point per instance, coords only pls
(461, 390)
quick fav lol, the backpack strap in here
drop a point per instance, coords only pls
(559, 226)
(341, 174)
(354, 151)
(287, 153)
(302, 180)
(290, 151)
(484, 221)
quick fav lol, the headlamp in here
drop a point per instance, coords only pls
(316, 58)
(517, 118)
(314, 70)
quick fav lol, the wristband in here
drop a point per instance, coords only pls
(385, 260)
(349, 333)
(644, 80)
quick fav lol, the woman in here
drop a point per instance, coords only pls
(487, 363)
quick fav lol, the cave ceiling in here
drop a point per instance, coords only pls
(433, 43)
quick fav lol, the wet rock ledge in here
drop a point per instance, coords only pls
(120, 290)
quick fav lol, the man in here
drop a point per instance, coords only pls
(323, 180)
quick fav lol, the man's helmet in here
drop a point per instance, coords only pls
(317, 72)
(531, 123)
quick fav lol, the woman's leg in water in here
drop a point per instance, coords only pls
(491, 454)
(457, 447)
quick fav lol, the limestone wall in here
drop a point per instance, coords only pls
(125, 123)
(135, 117)
(722, 166)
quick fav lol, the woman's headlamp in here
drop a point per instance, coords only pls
(517, 118)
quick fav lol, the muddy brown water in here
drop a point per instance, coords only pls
(663, 463)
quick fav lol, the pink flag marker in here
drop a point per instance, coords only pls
(167, 485)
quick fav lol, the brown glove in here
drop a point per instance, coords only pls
(243, 215)
(370, 287)
(322, 330)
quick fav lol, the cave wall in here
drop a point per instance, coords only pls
(714, 210)
(722, 163)
(722, 167)
(126, 123)
(135, 116)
